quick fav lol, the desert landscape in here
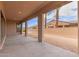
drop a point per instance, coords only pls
(65, 37)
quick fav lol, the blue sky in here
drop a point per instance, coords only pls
(67, 13)
(32, 22)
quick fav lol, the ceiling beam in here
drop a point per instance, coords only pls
(50, 6)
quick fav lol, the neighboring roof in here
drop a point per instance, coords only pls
(60, 21)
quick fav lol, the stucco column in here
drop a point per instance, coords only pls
(45, 19)
(21, 28)
(78, 27)
(16, 27)
(26, 28)
(0, 26)
(57, 17)
(41, 19)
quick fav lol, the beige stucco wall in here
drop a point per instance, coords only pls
(1, 7)
(0, 27)
(11, 28)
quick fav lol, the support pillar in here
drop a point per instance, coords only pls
(41, 26)
(0, 26)
(57, 17)
(26, 28)
(21, 28)
(17, 28)
(45, 19)
(78, 27)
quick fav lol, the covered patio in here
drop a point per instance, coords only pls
(15, 42)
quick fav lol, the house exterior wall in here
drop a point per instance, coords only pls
(78, 26)
(1, 5)
(11, 28)
(1, 8)
(0, 27)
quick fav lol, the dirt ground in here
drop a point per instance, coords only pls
(63, 37)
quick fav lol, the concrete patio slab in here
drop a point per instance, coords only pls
(20, 46)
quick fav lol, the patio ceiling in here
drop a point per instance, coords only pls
(16, 11)
(21, 10)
